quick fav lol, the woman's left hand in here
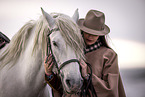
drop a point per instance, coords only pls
(84, 68)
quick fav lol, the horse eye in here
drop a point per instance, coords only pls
(54, 43)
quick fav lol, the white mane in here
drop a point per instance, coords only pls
(20, 39)
(67, 27)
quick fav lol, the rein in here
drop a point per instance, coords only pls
(88, 86)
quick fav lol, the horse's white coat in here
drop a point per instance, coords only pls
(21, 62)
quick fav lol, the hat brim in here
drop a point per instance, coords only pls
(91, 31)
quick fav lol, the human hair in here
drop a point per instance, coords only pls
(104, 40)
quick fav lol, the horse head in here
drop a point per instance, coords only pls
(67, 48)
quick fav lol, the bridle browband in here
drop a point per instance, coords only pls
(50, 51)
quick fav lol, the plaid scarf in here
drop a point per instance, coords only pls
(93, 47)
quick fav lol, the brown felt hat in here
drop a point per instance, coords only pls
(94, 23)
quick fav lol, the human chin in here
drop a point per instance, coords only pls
(89, 42)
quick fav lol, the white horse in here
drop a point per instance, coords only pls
(21, 61)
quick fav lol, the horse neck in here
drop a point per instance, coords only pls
(32, 59)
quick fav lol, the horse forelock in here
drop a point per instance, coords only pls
(71, 33)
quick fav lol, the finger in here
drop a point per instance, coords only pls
(82, 62)
(83, 65)
(48, 57)
(51, 65)
(49, 62)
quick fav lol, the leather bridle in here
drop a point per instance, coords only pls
(50, 51)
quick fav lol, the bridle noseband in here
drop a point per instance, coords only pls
(50, 51)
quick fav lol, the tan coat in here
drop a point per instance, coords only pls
(106, 77)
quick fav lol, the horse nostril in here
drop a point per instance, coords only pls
(71, 83)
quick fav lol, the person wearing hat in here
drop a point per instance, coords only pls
(106, 78)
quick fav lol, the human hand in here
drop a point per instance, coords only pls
(84, 68)
(48, 65)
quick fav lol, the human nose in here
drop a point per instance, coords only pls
(89, 36)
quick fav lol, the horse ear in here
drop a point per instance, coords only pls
(49, 19)
(75, 17)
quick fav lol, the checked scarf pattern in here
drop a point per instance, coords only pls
(93, 47)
